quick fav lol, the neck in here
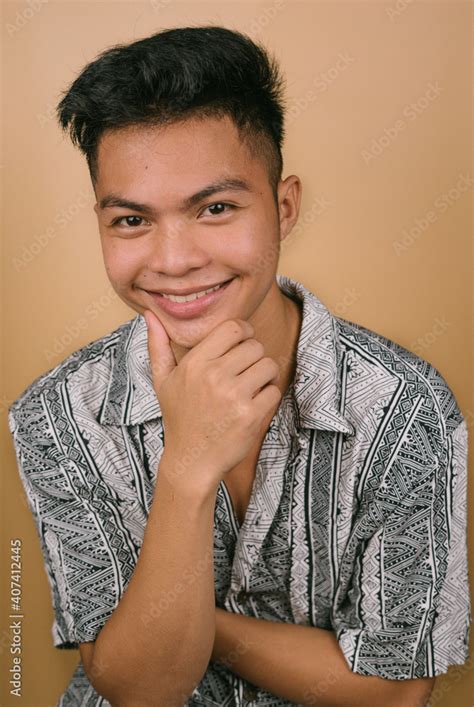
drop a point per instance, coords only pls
(284, 345)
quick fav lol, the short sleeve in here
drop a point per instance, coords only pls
(77, 541)
(403, 608)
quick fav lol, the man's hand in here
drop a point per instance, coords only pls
(218, 400)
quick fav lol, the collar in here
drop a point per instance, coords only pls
(130, 398)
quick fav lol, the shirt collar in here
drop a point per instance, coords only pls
(130, 398)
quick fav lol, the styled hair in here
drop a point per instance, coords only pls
(176, 74)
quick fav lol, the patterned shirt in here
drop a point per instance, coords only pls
(356, 522)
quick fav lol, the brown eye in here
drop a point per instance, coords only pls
(219, 203)
(129, 218)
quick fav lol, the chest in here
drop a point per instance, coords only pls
(239, 484)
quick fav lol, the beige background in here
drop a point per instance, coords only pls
(383, 239)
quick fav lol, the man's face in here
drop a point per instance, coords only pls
(177, 246)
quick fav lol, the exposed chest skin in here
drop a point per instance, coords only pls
(239, 482)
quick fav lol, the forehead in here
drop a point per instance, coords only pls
(163, 166)
(194, 148)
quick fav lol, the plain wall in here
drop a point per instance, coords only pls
(378, 130)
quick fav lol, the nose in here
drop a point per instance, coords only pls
(173, 250)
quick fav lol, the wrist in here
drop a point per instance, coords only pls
(220, 650)
(186, 480)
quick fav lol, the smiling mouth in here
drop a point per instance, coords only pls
(191, 305)
(191, 296)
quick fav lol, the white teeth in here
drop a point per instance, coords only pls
(190, 298)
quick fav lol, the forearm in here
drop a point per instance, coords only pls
(297, 663)
(156, 645)
(303, 664)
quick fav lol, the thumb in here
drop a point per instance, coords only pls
(162, 359)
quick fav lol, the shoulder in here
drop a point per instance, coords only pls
(84, 369)
(388, 370)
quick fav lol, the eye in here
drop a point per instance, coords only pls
(117, 220)
(220, 203)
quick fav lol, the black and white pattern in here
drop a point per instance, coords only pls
(356, 523)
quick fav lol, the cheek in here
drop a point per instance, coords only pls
(262, 250)
(119, 262)
(112, 263)
(246, 244)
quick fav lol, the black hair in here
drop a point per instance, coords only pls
(179, 73)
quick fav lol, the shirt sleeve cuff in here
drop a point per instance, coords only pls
(396, 655)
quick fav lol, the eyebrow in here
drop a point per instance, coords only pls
(226, 184)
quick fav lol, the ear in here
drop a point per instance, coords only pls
(289, 200)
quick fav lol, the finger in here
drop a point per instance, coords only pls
(223, 338)
(162, 359)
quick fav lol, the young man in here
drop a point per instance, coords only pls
(241, 498)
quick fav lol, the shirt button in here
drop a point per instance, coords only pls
(250, 693)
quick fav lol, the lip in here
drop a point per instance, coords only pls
(181, 293)
(186, 310)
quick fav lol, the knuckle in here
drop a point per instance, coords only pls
(275, 391)
(258, 346)
(242, 324)
(239, 407)
(270, 363)
(235, 323)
